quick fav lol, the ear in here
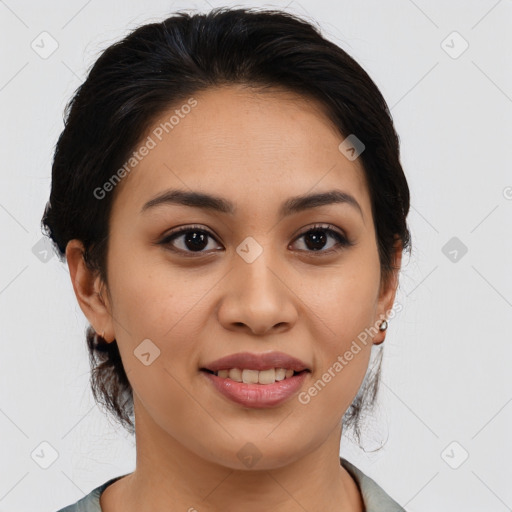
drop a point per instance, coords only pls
(388, 289)
(88, 288)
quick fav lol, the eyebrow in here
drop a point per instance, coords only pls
(219, 204)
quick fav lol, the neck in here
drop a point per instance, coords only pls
(169, 476)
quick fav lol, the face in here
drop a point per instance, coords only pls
(261, 275)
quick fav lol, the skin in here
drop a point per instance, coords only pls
(257, 150)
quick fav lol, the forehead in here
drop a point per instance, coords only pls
(237, 142)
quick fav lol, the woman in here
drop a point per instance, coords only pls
(228, 195)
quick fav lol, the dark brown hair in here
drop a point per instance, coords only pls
(159, 64)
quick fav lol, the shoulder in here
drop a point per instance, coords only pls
(90, 502)
(374, 497)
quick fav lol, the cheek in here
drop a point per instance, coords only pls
(153, 302)
(149, 294)
(345, 301)
(345, 307)
(342, 349)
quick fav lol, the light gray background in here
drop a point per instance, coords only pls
(446, 371)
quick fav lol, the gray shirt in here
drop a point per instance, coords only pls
(374, 498)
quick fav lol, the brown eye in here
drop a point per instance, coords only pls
(188, 240)
(195, 240)
(317, 238)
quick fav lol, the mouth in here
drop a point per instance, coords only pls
(267, 394)
(259, 381)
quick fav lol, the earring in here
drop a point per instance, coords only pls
(100, 338)
(384, 325)
(100, 343)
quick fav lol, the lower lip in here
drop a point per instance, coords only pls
(258, 396)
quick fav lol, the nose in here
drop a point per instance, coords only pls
(258, 297)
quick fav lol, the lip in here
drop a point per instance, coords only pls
(257, 396)
(264, 361)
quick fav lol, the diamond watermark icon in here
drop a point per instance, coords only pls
(147, 352)
(249, 249)
(44, 45)
(44, 455)
(249, 455)
(454, 249)
(42, 250)
(454, 455)
(351, 147)
(454, 45)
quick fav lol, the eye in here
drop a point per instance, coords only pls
(190, 239)
(194, 240)
(316, 237)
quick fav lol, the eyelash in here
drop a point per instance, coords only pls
(342, 241)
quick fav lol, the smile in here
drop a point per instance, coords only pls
(257, 389)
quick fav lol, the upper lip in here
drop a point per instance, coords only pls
(265, 361)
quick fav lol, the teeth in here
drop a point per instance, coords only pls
(266, 376)
(235, 374)
(255, 376)
(250, 376)
(280, 373)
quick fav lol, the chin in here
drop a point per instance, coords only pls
(247, 455)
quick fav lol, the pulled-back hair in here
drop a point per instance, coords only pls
(161, 64)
